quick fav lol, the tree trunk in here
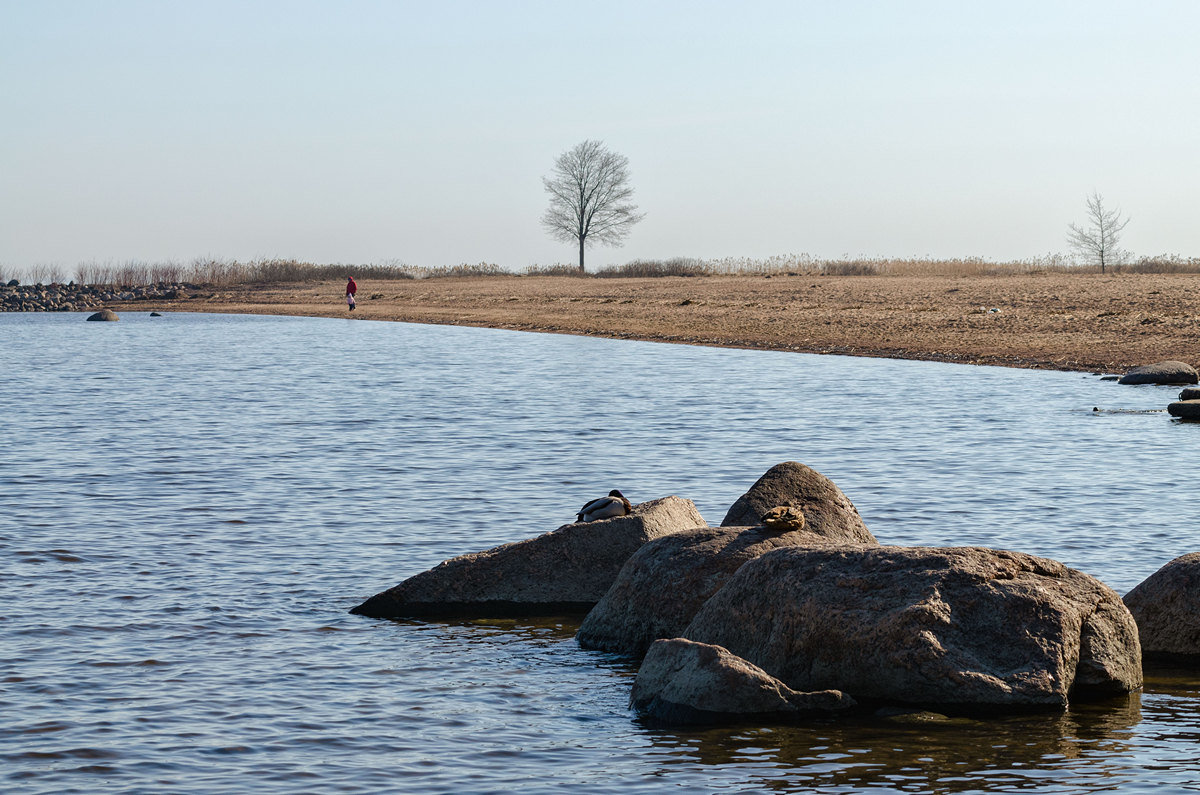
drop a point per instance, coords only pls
(581, 255)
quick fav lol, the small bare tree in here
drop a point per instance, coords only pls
(1098, 239)
(590, 197)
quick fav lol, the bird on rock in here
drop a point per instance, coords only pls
(783, 517)
(614, 504)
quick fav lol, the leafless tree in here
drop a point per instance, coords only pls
(1098, 239)
(44, 273)
(590, 197)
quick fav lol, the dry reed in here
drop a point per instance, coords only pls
(209, 270)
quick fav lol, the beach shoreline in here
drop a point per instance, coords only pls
(1061, 321)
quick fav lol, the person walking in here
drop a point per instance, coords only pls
(351, 289)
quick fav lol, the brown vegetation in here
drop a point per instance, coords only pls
(208, 270)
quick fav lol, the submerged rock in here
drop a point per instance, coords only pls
(685, 682)
(567, 569)
(1167, 372)
(827, 511)
(104, 314)
(665, 583)
(955, 626)
(1166, 607)
(918, 717)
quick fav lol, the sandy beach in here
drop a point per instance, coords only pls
(1064, 321)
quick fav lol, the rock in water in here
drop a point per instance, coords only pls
(955, 626)
(104, 314)
(1168, 372)
(565, 570)
(1190, 393)
(685, 682)
(1185, 409)
(1166, 607)
(827, 511)
(664, 584)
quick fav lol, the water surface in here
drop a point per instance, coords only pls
(190, 504)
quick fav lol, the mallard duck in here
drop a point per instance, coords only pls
(614, 504)
(783, 517)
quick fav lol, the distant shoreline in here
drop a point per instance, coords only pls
(1074, 322)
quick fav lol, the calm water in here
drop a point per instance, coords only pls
(190, 504)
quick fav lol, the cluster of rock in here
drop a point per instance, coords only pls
(814, 618)
(15, 297)
(1188, 405)
(1169, 373)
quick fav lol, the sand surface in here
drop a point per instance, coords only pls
(1062, 321)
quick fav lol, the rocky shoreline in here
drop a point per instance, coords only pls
(16, 297)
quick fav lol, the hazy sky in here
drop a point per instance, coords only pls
(368, 132)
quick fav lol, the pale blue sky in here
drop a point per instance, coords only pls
(361, 132)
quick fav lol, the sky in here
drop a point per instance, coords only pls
(381, 132)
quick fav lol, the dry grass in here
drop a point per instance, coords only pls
(803, 264)
(213, 271)
(554, 270)
(640, 268)
(231, 272)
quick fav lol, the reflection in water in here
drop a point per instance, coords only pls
(540, 630)
(1087, 747)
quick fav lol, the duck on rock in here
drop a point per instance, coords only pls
(783, 517)
(614, 504)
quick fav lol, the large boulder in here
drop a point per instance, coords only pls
(955, 626)
(568, 569)
(664, 584)
(685, 682)
(1168, 372)
(827, 511)
(1166, 607)
(104, 314)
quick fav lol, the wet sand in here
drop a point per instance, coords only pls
(1044, 320)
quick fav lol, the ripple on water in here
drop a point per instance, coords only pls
(188, 510)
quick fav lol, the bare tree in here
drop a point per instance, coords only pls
(590, 197)
(1098, 239)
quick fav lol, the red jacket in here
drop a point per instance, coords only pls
(351, 287)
